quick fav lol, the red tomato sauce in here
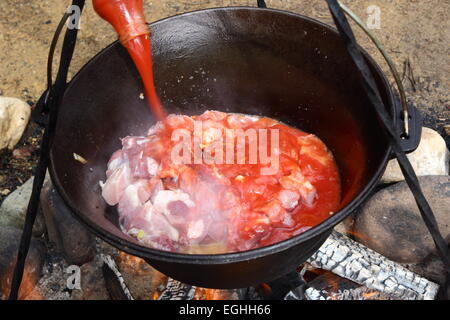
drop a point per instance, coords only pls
(256, 215)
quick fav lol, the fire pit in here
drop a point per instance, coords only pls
(225, 44)
(342, 269)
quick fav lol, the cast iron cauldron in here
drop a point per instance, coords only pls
(245, 60)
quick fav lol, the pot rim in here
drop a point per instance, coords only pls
(240, 256)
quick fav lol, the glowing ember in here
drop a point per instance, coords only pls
(213, 294)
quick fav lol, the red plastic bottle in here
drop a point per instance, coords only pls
(127, 18)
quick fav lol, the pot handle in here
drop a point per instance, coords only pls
(40, 113)
(409, 142)
(408, 118)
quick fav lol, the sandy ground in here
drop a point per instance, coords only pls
(418, 31)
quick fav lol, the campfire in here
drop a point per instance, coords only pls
(158, 229)
(342, 269)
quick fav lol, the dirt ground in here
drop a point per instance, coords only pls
(412, 31)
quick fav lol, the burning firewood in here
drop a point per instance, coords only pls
(176, 290)
(111, 264)
(372, 276)
(361, 293)
(326, 285)
(350, 259)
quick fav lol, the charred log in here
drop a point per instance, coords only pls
(176, 290)
(350, 259)
(117, 287)
(329, 286)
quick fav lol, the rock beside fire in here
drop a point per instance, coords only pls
(390, 222)
(71, 239)
(431, 268)
(430, 158)
(346, 226)
(14, 207)
(14, 117)
(9, 244)
(39, 227)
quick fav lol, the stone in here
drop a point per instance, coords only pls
(5, 192)
(447, 129)
(9, 244)
(390, 222)
(14, 117)
(69, 237)
(14, 207)
(22, 153)
(346, 226)
(431, 268)
(430, 158)
(92, 282)
(39, 227)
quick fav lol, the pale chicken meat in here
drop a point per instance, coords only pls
(184, 207)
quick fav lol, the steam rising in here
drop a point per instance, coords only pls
(173, 192)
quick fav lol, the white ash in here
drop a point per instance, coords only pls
(352, 260)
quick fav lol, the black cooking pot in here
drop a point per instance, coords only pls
(245, 60)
